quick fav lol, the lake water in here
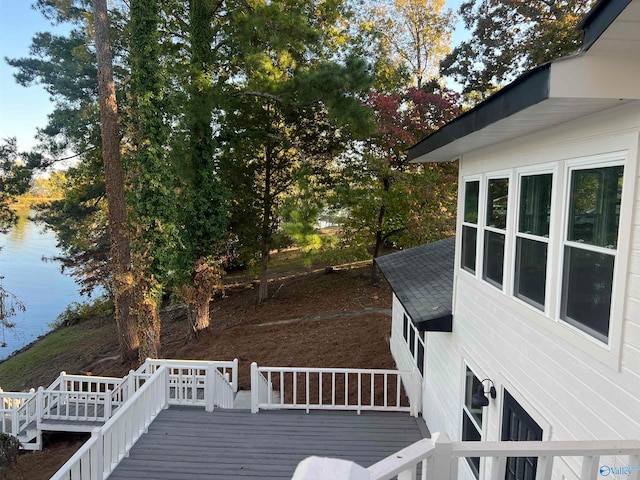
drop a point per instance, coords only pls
(38, 284)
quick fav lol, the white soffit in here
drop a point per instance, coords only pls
(545, 114)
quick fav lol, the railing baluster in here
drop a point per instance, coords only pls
(282, 388)
(307, 393)
(373, 381)
(545, 467)
(320, 388)
(498, 468)
(333, 388)
(397, 390)
(359, 391)
(385, 390)
(346, 388)
(295, 387)
(590, 467)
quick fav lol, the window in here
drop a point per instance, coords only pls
(415, 341)
(532, 239)
(495, 230)
(470, 225)
(590, 248)
(471, 418)
(405, 327)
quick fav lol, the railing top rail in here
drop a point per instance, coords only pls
(546, 448)
(77, 393)
(176, 362)
(19, 395)
(397, 463)
(333, 370)
(91, 378)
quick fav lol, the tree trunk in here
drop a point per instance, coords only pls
(205, 282)
(114, 184)
(149, 328)
(386, 183)
(263, 292)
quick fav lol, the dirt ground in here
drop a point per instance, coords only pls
(316, 319)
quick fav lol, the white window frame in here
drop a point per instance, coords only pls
(617, 292)
(465, 411)
(483, 228)
(549, 319)
(418, 340)
(477, 226)
(550, 240)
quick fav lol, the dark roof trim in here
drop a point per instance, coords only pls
(527, 90)
(599, 18)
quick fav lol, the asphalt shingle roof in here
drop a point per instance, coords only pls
(422, 279)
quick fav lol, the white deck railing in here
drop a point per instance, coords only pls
(437, 458)
(109, 444)
(74, 406)
(15, 410)
(197, 382)
(143, 394)
(86, 383)
(333, 389)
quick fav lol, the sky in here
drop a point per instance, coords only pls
(23, 110)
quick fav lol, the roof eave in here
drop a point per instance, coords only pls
(527, 90)
(599, 19)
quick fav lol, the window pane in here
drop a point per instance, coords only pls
(531, 271)
(471, 387)
(497, 196)
(471, 434)
(493, 257)
(469, 238)
(405, 327)
(587, 285)
(594, 208)
(412, 340)
(535, 204)
(471, 193)
(420, 358)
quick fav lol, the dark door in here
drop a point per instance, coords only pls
(517, 425)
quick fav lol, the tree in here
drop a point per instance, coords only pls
(114, 186)
(205, 222)
(290, 104)
(511, 36)
(415, 35)
(387, 198)
(15, 174)
(152, 192)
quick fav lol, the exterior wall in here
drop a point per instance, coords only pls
(572, 386)
(399, 348)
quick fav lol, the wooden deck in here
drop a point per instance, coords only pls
(188, 443)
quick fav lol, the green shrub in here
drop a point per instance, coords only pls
(78, 312)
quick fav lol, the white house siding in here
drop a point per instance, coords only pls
(399, 348)
(572, 387)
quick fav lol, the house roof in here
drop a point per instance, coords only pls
(549, 94)
(422, 279)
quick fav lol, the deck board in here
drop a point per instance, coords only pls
(189, 443)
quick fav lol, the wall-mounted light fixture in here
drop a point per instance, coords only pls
(479, 398)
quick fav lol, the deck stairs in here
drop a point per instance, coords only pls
(80, 403)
